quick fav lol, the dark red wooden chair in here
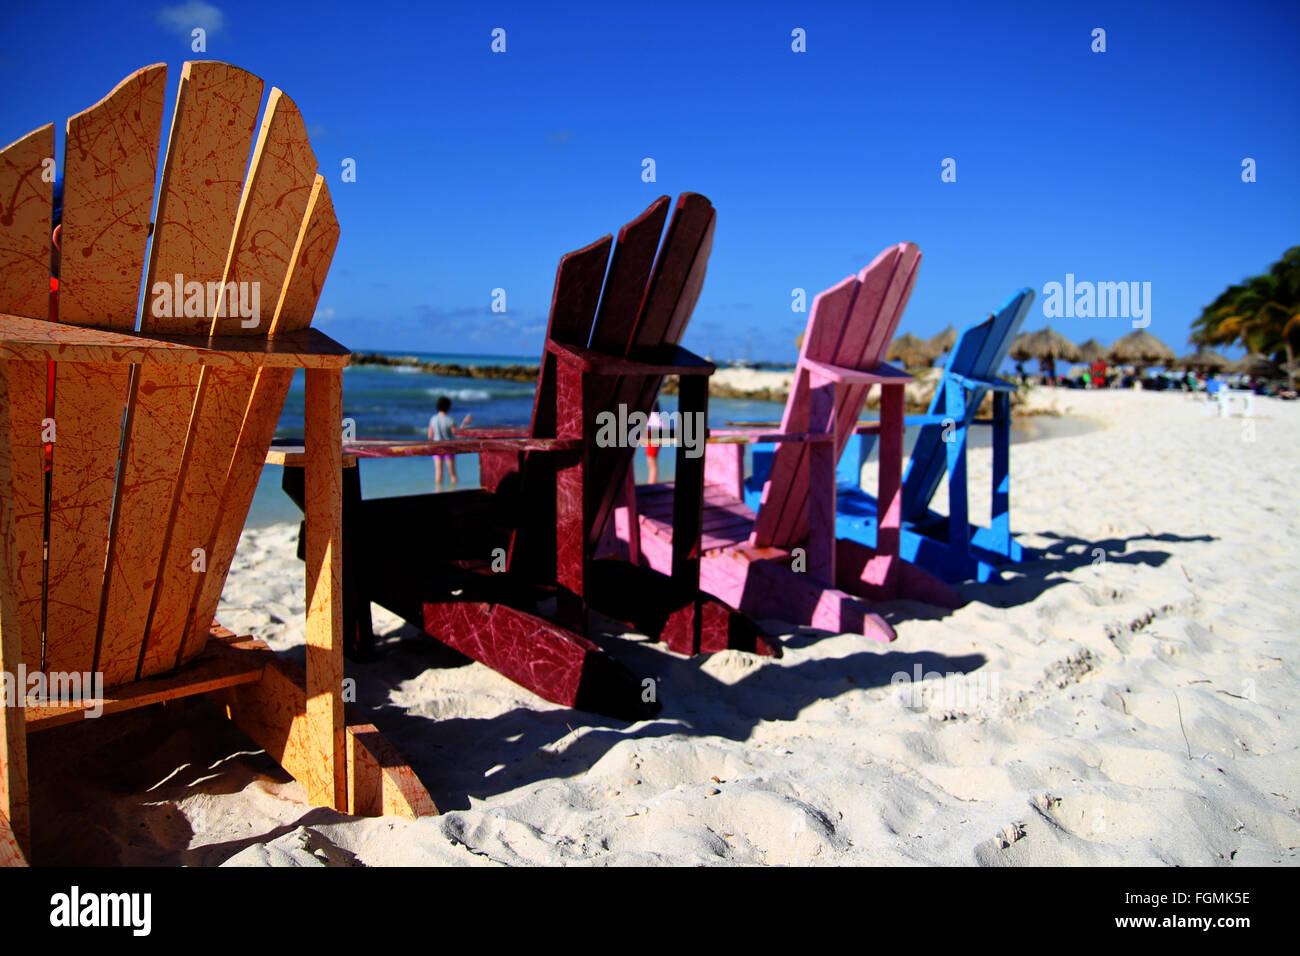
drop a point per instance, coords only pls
(505, 573)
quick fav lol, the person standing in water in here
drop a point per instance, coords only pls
(651, 448)
(442, 429)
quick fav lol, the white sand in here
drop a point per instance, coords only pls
(1133, 700)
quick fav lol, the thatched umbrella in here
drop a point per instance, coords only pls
(1020, 348)
(943, 342)
(910, 350)
(1047, 345)
(1203, 360)
(1092, 351)
(1254, 365)
(1140, 348)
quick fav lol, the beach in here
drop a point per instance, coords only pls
(1128, 699)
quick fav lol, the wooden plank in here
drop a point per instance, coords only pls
(111, 160)
(574, 301)
(575, 410)
(14, 632)
(313, 252)
(630, 268)
(273, 712)
(222, 664)
(820, 493)
(324, 516)
(318, 236)
(651, 361)
(26, 200)
(11, 854)
(26, 197)
(34, 340)
(826, 325)
(211, 132)
(110, 164)
(271, 209)
(384, 448)
(670, 297)
(379, 781)
(688, 512)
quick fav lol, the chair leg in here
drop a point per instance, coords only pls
(855, 564)
(688, 513)
(771, 589)
(958, 522)
(326, 778)
(14, 805)
(274, 712)
(821, 481)
(1000, 519)
(11, 853)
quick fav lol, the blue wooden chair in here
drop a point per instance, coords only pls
(948, 546)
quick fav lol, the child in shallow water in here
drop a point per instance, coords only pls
(442, 429)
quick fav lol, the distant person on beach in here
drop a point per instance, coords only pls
(442, 429)
(651, 449)
(1099, 373)
(1049, 371)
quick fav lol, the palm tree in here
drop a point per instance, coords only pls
(1262, 313)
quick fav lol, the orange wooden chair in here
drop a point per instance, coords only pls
(129, 453)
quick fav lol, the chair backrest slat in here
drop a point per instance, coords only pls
(110, 164)
(851, 325)
(207, 154)
(271, 209)
(574, 301)
(979, 352)
(312, 253)
(630, 267)
(26, 201)
(670, 297)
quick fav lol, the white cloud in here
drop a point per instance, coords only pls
(184, 18)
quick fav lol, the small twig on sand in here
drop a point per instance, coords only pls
(1181, 727)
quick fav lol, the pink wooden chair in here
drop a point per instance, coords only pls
(785, 561)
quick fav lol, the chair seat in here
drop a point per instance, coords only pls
(727, 522)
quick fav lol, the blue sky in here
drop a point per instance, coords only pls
(478, 170)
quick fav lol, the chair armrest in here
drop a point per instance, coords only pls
(738, 436)
(972, 382)
(494, 431)
(667, 360)
(292, 455)
(26, 339)
(881, 374)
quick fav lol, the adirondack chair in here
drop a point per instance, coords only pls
(477, 568)
(949, 546)
(128, 458)
(777, 555)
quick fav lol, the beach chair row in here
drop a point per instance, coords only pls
(131, 441)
